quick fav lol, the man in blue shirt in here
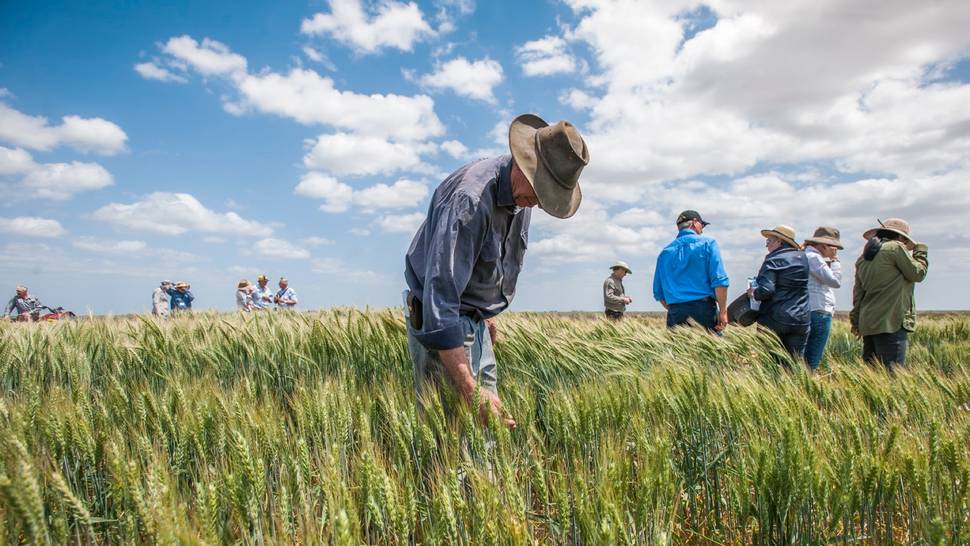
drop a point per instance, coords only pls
(690, 281)
(465, 259)
(286, 297)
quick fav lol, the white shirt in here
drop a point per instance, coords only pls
(259, 294)
(823, 278)
(243, 299)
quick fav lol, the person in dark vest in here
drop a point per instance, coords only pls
(782, 289)
(614, 295)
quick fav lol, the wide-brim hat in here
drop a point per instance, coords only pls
(895, 225)
(262, 278)
(552, 157)
(826, 236)
(181, 285)
(623, 265)
(243, 283)
(782, 232)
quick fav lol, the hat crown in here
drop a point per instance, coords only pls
(563, 152)
(787, 231)
(829, 232)
(898, 224)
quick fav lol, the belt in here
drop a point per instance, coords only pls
(708, 299)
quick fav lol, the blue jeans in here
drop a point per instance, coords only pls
(792, 336)
(818, 337)
(704, 312)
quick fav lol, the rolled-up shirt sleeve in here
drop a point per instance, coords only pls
(454, 247)
(716, 273)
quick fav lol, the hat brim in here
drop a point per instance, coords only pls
(825, 241)
(553, 198)
(627, 269)
(872, 233)
(777, 235)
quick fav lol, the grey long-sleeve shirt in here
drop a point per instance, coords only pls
(613, 294)
(466, 257)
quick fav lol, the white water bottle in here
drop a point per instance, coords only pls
(754, 304)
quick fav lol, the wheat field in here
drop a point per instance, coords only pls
(301, 428)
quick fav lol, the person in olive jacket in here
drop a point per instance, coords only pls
(782, 289)
(883, 301)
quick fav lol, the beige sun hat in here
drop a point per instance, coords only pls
(782, 232)
(181, 284)
(623, 265)
(895, 225)
(243, 283)
(552, 157)
(825, 236)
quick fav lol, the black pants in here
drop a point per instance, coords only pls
(704, 312)
(793, 338)
(614, 315)
(890, 349)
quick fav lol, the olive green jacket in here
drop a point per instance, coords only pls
(882, 299)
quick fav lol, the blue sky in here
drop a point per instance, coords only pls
(213, 141)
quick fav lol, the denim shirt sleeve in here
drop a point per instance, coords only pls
(457, 239)
(716, 272)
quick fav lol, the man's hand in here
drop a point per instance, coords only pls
(722, 320)
(492, 330)
(855, 331)
(750, 292)
(664, 303)
(492, 404)
(627, 300)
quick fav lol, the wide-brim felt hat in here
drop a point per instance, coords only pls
(243, 284)
(895, 225)
(552, 157)
(826, 236)
(623, 265)
(782, 232)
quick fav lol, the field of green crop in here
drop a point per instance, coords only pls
(285, 428)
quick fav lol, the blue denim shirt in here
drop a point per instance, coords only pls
(688, 269)
(466, 257)
(783, 287)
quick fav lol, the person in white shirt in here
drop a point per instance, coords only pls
(160, 305)
(824, 276)
(262, 294)
(285, 298)
(244, 296)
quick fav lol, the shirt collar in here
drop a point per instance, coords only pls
(686, 232)
(503, 186)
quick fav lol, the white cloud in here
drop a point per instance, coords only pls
(359, 232)
(472, 79)
(280, 248)
(61, 181)
(345, 153)
(210, 58)
(339, 197)
(400, 223)
(455, 149)
(32, 226)
(393, 24)
(151, 71)
(315, 241)
(109, 247)
(175, 214)
(15, 161)
(84, 134)
(348, 273)
(545, 57)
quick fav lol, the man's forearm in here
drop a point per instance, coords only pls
(455, 362)
(720, 293)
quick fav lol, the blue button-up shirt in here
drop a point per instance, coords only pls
(286, 294)
(180, 301)
(466, 257)
(688, 269)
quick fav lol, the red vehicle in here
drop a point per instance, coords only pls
(52, 314)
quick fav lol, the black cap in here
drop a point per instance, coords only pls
(691, 215)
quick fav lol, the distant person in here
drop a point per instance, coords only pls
(262, 294)
(463, 264)
(23, 306)
(614, 295)
(285, 297)
(690, 281)
(824, 276)
(782, 289)
(160, 302)
(181, 298)
(244, 296)
(883, 300)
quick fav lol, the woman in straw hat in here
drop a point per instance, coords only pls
(782, 289)
(825, 275)
(244, 296)
(883, 301)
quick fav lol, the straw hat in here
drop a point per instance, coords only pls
(243, 283)
(552, 157)
(181, 284)
(895, 225)
(262, 278)
(826, 236)
(783, 233)
(623, 265)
